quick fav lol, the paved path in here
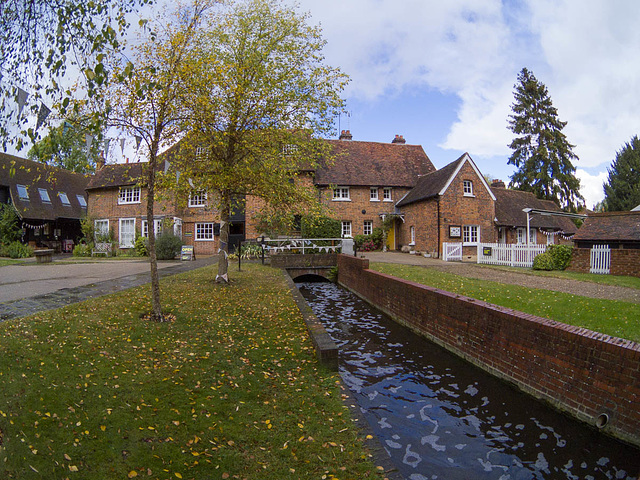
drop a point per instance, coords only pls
(29, 288)
(485, 272)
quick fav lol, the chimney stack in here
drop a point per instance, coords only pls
(346, 135)
(497, 184)
(399, 139)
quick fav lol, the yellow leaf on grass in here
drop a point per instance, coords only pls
(73, 468)
(67, 457)
(132, 474)
(178, 475)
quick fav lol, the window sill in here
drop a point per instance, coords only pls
(341, 200)
(205, 239)
(469, 195)
(372, 200)
(129, 203)
(388, 200)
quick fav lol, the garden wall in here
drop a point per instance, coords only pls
(623, 261)
(592, 376)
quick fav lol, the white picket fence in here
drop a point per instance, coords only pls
(600, 259)
(452, 252)
(512, 255)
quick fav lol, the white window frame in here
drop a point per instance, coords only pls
(23, 193)
(373, 194)
(551, 239)
(533, 237)
(412, 233)
(470, 234)
(44, 195)
(200, 151)
(127, 238)
(101, 227)
(367, 227)
(502, 235)
(64, 199)
(198, 199)
(129, 195)
(157, 227)
(341, 194)
(386, 194)
(290, 149)
(204, 231)
(521, 235)
(346, 228)
(82, 201)
(467, 188)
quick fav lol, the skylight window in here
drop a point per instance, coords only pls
(22, 192)
(44, 195)
(81, 201)
(63, 198)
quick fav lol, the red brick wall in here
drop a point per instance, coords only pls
(579, 371)
(623, 262)
(423, 216)
(103, 203)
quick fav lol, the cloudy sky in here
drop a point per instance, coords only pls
(441, 73)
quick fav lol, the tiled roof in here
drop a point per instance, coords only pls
(610, 226)
(509, 205)
(16, 171)
(374, 164)
(116, 175)
(429, 186)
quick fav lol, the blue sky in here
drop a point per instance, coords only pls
(441, 73)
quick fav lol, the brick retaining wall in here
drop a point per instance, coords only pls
(584, 373)
(623, 261)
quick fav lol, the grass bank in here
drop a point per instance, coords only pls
(230, 389)
(616, 318)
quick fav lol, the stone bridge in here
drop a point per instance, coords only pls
(299, 265)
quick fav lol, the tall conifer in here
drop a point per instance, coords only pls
(541, 153)
(622, 189)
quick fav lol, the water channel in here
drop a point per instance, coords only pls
(440, 417)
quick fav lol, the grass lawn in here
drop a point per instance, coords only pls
(616, 318)
(231, 389)
(10, 261)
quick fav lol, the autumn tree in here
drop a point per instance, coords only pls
(622, 188)
(68, 146)
(43, 43)
(258, 100)
(145, 102)
(541, 153)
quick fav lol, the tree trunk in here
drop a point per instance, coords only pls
(223, 254)
(153, 260)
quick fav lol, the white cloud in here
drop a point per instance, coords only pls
(591, 186)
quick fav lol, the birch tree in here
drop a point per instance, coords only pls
(259, 97)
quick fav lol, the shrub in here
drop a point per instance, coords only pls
(561, 255)
(141, 246)
(544, 261)
(168, 246)
(19, 250)
(320, 227)
(9, 229)
(82, 250)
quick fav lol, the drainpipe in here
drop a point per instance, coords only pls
(438, 225)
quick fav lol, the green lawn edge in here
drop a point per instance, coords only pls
(230, 389)
(611, 317)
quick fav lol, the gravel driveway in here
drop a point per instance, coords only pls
(483, 272)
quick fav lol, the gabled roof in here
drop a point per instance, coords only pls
(610, 226)
(374, 164)
(117, 175)
(436, 183)
(509, 205)
(34, 176)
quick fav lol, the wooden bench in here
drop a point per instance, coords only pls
(101, 249)
(44, 256)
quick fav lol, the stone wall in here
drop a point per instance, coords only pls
(592, 376)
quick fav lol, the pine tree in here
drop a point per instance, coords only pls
(541, 152)
(622, 189)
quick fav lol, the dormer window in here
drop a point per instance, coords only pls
(44, 195)
(22, 192)
(129, 195)
(341, 194)
(64, 199)
(467, 188)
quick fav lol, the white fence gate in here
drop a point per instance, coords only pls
(600, 259)
(512, 255)
(452, 252)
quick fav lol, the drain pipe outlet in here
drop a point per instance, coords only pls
(602, 420)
